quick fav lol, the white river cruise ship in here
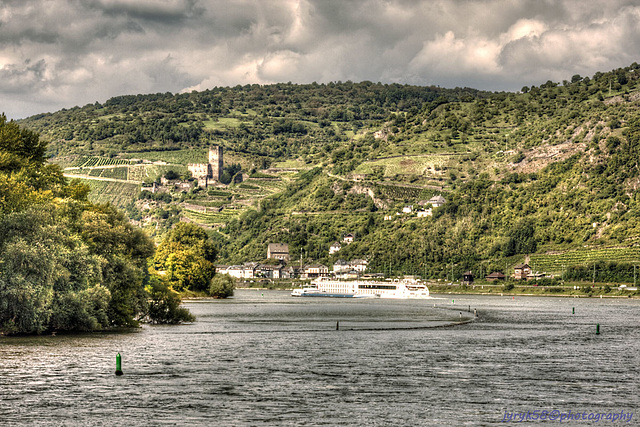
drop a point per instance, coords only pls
(323, 287)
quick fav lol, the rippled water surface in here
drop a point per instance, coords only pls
(264, 358)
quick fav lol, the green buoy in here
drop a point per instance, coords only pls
(118, 365)
(598, 329)
(574, 310)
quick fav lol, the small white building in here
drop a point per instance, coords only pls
(407, 209)
(335, 247)
(425, 213)
(437, 201)
(341, 266)
(315, 270)
(359, 265)
(236, 271)
(269, 271)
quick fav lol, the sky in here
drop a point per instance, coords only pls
(57, 54)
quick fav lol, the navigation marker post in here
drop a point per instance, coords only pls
(118, 365)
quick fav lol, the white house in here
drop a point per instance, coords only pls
(249, 270)
(315, 270)
(340, 266)
(236, 271)
(269, 271)
(407, 209)
(425, 213)
(335, 247)
(437, 201)
(359, 265)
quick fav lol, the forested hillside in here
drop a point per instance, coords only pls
(549, 171)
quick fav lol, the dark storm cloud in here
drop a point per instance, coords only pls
(59, 53)
(163, 12)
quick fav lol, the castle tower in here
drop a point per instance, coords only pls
(215, 162)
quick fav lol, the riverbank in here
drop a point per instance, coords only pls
(578, 290)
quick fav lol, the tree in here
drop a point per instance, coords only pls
(221, 286)
(48, 277)
(66, 264)
(521, 240)
(164, 304)
(187, 255)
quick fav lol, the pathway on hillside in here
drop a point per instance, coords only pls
(100, 178)
(388, 184)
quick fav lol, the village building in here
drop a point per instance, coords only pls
(210, 172)
(359, 265)
(269, 271)
(347, 275)
(313, 271)
(467, 278)
(341, 266)
(236, 271)
(521, 271)
(278, 251)
(289, 272)
(348, 238)
(425, 213)
(535, 276)
(495, 276)
(249, 270)
(407, 209)
(435, 201)
(335, 247)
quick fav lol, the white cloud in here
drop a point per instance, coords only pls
(62, 53)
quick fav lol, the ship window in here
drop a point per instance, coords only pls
(376, 287)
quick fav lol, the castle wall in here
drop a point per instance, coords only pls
(198, 169)
(203, 172)
(216, 162)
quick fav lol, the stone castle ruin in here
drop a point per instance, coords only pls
(210, 172)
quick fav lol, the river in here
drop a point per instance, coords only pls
(264, 358)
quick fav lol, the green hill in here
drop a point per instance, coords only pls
(548, 172)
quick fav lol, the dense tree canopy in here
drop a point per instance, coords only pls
(65, 264)
(186, 255)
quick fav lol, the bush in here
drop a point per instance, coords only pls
(221, 286)
(164, 304)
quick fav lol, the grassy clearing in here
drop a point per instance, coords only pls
(222, 123)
